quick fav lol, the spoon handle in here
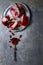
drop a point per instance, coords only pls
(15, 53)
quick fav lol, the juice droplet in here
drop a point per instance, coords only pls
(20, 36)
(10, 41)
(10, 36)
(9, 30)
(10, 46)
(13, 34)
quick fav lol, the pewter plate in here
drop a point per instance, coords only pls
(27, 10)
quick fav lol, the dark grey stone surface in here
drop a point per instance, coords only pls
(30, 49)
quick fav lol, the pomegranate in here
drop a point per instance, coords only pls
(21, 9)
(14, 11)
(24, 20)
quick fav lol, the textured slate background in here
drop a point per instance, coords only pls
(30, 49)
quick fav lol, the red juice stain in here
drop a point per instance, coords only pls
(14, 41)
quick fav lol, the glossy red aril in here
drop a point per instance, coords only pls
(24, 20)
